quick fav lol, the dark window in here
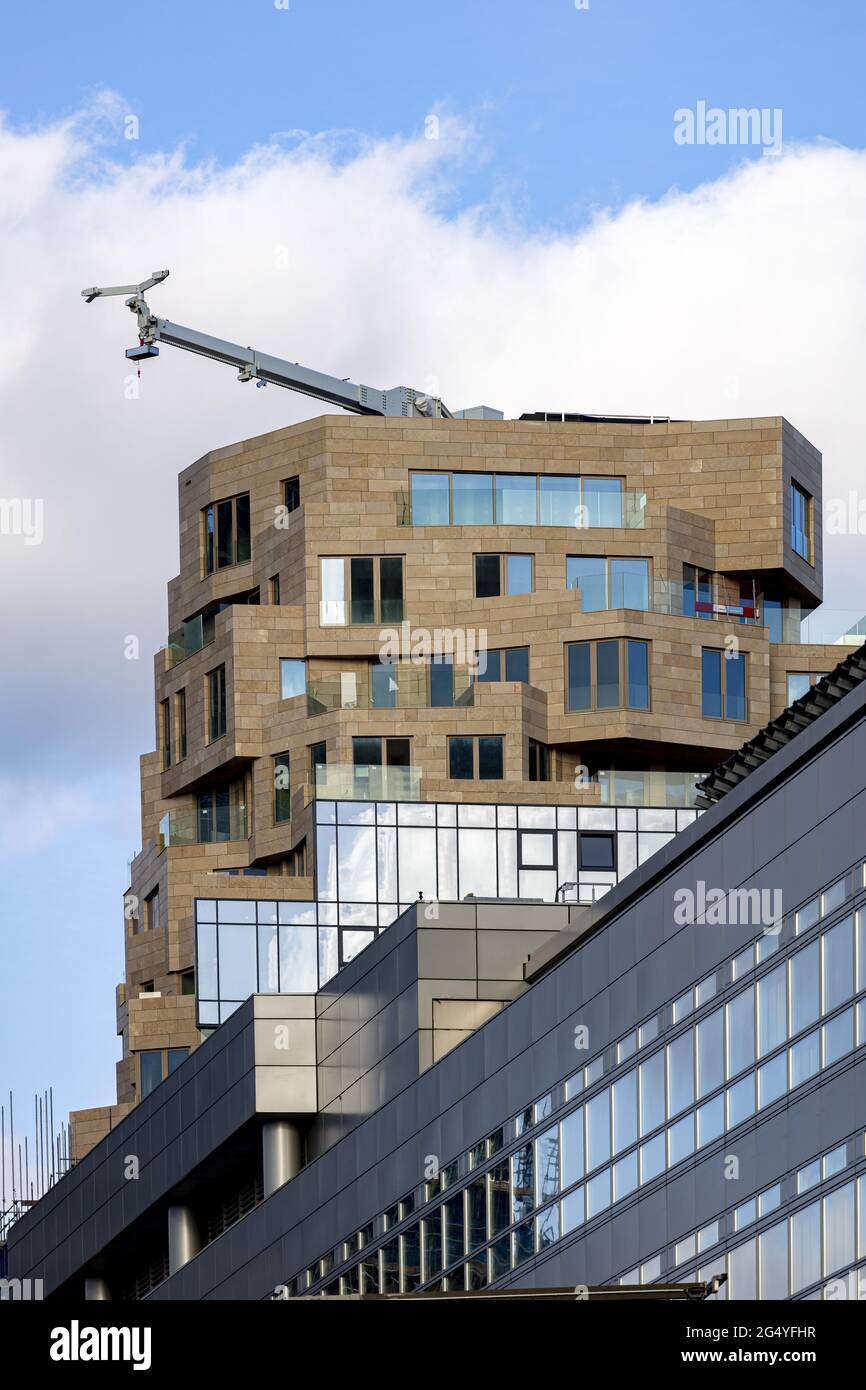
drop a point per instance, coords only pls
(176, 1055)
(187, 982)
(580, 676)
(441, 682)
(398, 752)
(367, 752)
(318, 757)
(596, 851)
(151, 911)
(489, 665)
(490, 758)
(391, 588)
(165, 731)
(274, 584)
(150, 1064)
(181, 724)
(460, 761)
(723, 684)
(282, 788)
(637, 660)
(607, 675)
(487, 580)
(292, 494)
(517, 664)
(363, 606)
(539, 761)
(217, 702)
(227, 532)
(214, 816)
(800, 509)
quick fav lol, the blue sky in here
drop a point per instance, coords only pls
(513, 263)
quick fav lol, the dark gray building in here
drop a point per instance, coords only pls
(660, 1087)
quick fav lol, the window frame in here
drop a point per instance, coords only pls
(217, 711)
(503, 557)
(623, 680)
(474, 741)
(211, 539)
(726, 664)
(348, 601)
(799, 495)
(282, 808)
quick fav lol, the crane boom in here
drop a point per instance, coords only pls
(259, 366)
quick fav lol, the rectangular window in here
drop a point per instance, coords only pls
(441, 682)
(487, 576)
(165, 731)
(697, 592)
(799, 684)
(588, 574)
(559, 501)
(374, 584)
(502, 574)
(601, 502)
(518, 574)
(596, 851)
(274, 590)
(723, 684)
(332, 591)
(460, 759)
(226, 533)
(151, 911)
(187, 982)
(292, 494)
(472, 499)
(801, 508)
(608, 583)
(504, 664)
(608, 675)
(293, 677)
(176, 1055)
(430, 499)
(539, 761)
(391, 588)
(282, 788)
(318, 757)
(217, 702)
(363, 602)
(150, 1064)
(180, 710)
(490, 759)
(516, 500)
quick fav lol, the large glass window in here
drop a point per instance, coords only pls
(596, 671)
(559, 501)
(741, 1031)
(800, 521)
(293, 677)
(473, 499)
(391, 588)
(374, 584)
(516, 500)
(602, 501)
(430, 499)
(150, 1064)
(838, 946)
(332, 590)
(588, 574)
(502, 574)
(805, 1000)
(607, 675)
(772, 1010)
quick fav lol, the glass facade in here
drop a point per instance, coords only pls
(654, 1101)
(523, 499)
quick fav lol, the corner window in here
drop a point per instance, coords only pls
(293, 677)
(496, 575)
(608, 675)
(216, 683)
(282, 788)
(723, 684)
(226, 533)
(801, 509)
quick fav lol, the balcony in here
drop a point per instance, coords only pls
(346, 782)
(189, 638)
(673, 790)
(606, 589)
(822, 627)
(191, 825)
(391, 687)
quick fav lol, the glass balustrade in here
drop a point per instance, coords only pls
(668, 789)
(189, 638)
(349, 782)
(203, 825)
(391, 687)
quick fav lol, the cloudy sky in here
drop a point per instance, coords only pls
(493, 202)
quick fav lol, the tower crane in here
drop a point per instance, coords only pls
(259, 366)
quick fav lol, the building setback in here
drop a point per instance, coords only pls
(445, 658)
(631, 1098)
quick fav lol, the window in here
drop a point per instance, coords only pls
(430, 499)
(180, 712)
(151, 911)
(226, 533)
(801, 508)
(150, 1069)
(539, 761)
(472, 499)
(723, 684)
(596, 851)
(292, 494)
(165, 731)
(475, 757)
(187, 982)
(801, 682)
(441, 682)
(608, 583)
(282, 788)
(293, 677)
(318, 758)
(515, 499)
(608, 675)
(496, 575)
(367, 752)
(175, 1056)
(216, 682)
(373, 584)
(504, 664)
(697, 592)
(274, 590)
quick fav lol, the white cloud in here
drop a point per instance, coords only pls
(744, 297)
